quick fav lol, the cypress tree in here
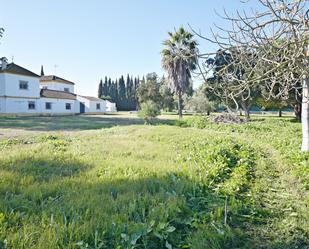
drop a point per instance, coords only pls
(42, 71)
(121, 93)
(105, 91)
(100, 89)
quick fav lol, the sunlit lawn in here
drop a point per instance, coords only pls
(110, 181)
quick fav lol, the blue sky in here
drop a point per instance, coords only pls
(88, 40)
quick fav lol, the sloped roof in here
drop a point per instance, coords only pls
(47, 93)
(46, 78)
(91, 98)
(16, 69)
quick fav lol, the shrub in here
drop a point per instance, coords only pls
(199, 122)
(149, 111)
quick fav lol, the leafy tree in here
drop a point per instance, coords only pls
(149, 111)
(179, 59)
(200, 103)
(149, 90)
(228, 74)
(167, 97)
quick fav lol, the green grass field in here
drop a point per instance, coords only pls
(112, 182)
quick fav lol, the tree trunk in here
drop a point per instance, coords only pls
(180, 105)
(297, 111)
(208, 112)
(305, 115)
(246, 109)
(280, 113)
(247, 113)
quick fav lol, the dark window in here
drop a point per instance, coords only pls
(48, 106)
(31, 105)
(98, 106)
(67, 106)
(67, 89)
(45, 87)
(23, 85)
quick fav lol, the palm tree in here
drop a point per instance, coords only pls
(179, 59)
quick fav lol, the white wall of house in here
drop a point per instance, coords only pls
(110, 106)
(54, 85)
(2, 104)
(2, 84)
(91, 106)
(20, 105)
(58, 106)
(10, 85)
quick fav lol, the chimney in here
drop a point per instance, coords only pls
(4, 63)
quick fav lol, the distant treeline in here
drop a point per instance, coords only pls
(120, 91)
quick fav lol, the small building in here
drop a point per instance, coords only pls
(91, 104)
(110, 106)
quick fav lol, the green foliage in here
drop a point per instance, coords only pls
(149, 111)
(167, 97)
(149, 90)
(200, 103)
(196, 121)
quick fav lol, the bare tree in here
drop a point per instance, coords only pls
(276, 39)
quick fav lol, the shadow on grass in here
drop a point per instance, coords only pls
(156, 209)
(78, 122)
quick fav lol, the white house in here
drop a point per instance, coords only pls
(24, 92)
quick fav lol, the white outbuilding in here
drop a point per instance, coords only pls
(110, 106)
(90, 104)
